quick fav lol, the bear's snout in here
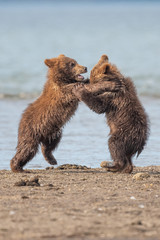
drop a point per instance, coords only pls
(82, 69)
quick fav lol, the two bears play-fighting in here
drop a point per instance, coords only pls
(107, 91)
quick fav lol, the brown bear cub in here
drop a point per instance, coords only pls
(43, 120)
(128, 122)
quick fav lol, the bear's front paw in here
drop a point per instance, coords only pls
(78, 89)
(122, 85)
(118, 86)
(79, 85)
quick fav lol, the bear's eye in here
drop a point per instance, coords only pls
(73, 64)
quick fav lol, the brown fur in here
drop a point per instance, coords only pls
(128, 122)
(42, 121)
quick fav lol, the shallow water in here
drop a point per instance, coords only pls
(84, 138)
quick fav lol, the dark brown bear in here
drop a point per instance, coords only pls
(128, 122)
(43, 120)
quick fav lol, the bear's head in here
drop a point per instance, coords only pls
(65, 70)
(104, 71)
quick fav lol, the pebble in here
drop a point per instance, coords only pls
(132, 198)
(33, 181)
(141, 206)
(20, 183)
(141, 176)
(71, 166)
(11, 212)
(49, 168)
(24, 197)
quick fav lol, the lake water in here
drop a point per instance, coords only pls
(30, 31)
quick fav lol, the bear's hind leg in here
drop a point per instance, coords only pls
(128, 167)
(48, 145)
(25, 152)
(117, 152)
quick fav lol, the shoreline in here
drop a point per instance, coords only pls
(80, 203)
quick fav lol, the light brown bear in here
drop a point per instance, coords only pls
(43, 120)
(126, 117)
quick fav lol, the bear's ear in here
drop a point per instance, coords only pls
(61, 55)
(49, 62)
(105, 68)
(104, 58)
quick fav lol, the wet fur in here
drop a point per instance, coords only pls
(126, 117)
(43, 120)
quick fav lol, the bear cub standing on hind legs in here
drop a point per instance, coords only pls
(42, 121)
(128, 122)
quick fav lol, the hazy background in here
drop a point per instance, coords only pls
(30, 31)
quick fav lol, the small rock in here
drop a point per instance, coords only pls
(24, 197)
(28, 183)
(141, 176)
(132, 198)
(11, 212)
(71, 166)
(139, 222)
(148, 186)
(50, 185)
(20, 183)
(33, 181)
(141, 206)
(75, 167)
(49, 168)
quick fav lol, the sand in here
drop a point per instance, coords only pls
(71, 203)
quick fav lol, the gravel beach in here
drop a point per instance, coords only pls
(80, 203)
